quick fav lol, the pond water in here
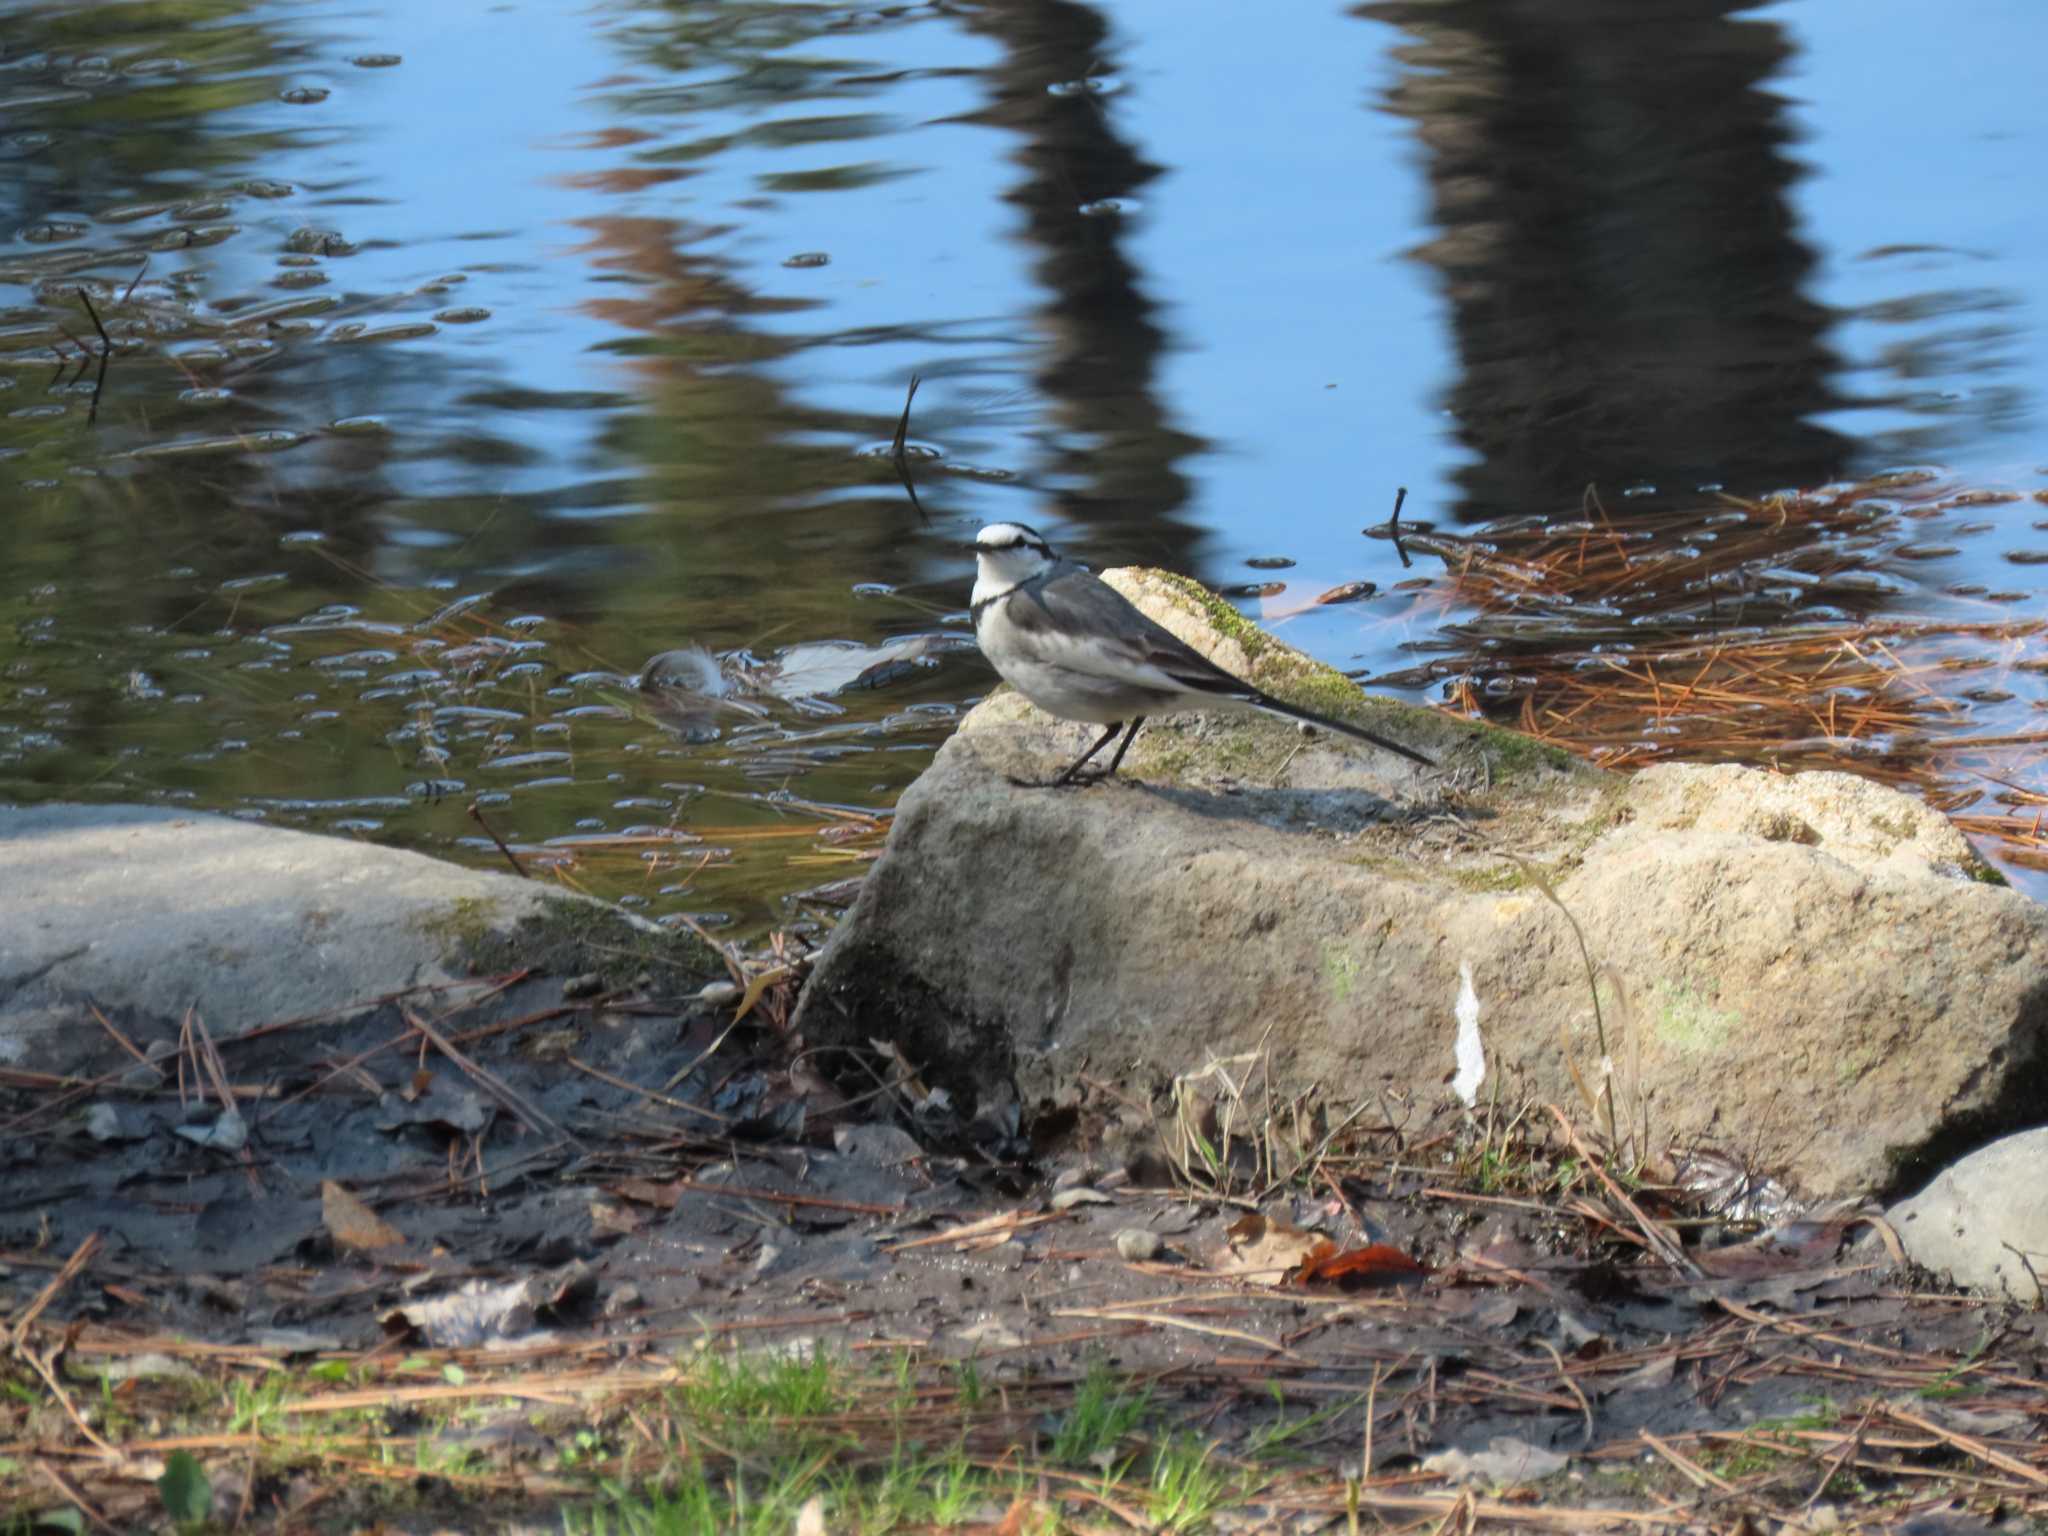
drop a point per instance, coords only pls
(466, 356)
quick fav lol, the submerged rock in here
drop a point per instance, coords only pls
(1808, 969)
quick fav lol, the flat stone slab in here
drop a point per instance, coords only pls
(155, 910)
(335, 980)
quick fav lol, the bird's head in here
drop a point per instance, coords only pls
(1007, 553)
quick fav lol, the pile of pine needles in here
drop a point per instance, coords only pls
(1759, 632)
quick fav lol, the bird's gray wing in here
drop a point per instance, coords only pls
(1074, 619)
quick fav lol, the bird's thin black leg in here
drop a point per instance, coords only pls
(1082, 761)
(1124, 747)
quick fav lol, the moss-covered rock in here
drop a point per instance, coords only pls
(1242, 887)
(574, 938)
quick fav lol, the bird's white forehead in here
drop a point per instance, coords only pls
(1007, 536)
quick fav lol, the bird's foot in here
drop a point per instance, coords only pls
(1064, 781)
(1079, 780)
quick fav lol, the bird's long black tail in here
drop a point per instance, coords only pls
(1273, 706)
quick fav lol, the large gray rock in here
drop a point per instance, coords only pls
(154, 910)
(1810, 972)
(1984, 1222)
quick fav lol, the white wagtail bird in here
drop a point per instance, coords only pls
(1075, 647)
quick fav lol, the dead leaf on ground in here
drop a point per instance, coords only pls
(1505, 1462)
(989, 1334)
(1079, 1194)
(974, 1236)
(1264, 1249)
(613, 1218)
(662, 1197)
(1022, 1515)
(1358, 1269)
(353, 1224)
(1270, 1250)
(477, 1313)
(902, 1073)
(1651, 1376)
(1792, 1247)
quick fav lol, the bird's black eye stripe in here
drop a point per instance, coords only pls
(1017, 541)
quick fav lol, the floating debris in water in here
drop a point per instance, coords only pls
(1349, 592)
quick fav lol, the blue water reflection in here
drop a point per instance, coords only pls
(603, 317)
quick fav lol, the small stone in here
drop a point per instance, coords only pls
(719, 994)
(623, 1298)
(589, 984)
(1080, 1194)
(1138, 1245)
(103, 1123)
(887, 1145)
(228, 1133)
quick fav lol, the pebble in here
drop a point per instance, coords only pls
(1138, 1245)
(1079, 1194)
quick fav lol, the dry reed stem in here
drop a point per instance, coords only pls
(528, 1113)
(82, 1255)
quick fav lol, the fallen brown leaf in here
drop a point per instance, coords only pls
(1264, 1249)
(353, 1224)
(1358, 1268)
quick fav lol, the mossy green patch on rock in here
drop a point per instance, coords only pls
(1497, 875)
(1688, 1020)
(1224, 618)
(573, 938)
(1395, 866)
(1985, 873)
(1515, 756)
(465, 921)
(1340, 967)
(1329, 692)
(1272, 664)
(1301, 680)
